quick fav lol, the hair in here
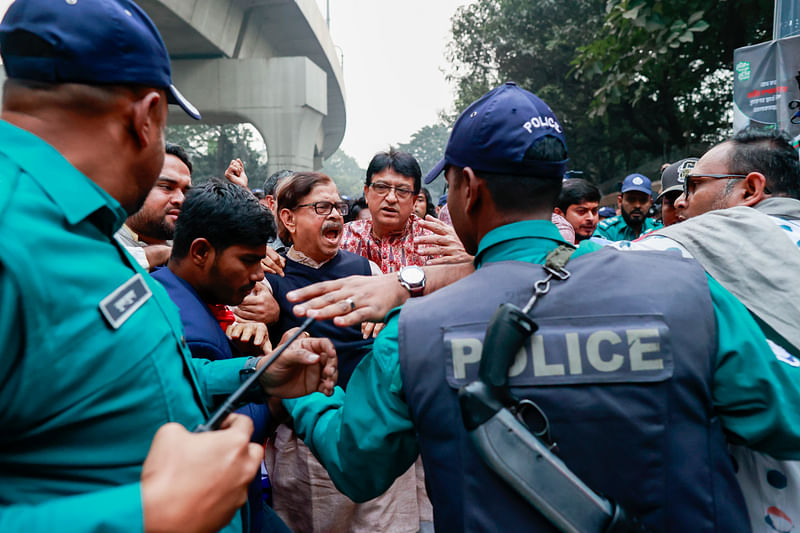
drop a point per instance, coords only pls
(576, 191)
(430, 209)
(524, 193)
(291, 191)
(90, 101)
(771, 153)
(180, 153)
(271, 183)
(355, 208)
(401, 162)
(223, 213)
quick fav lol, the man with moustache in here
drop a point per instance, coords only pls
(147, 234)
(215, 263)
(219, 263)
(310, 221)
(634, 200)
(310, 213)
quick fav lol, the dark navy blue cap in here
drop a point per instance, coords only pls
(607, 212)
(493, 134)
(637, 182)
(93, 42)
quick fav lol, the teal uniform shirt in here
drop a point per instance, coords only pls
(616, 229)
(366, 438)
(80, 399)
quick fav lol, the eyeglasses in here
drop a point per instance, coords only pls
(381, 189)
(687, 182)
(325, 208)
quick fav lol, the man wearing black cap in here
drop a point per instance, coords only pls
(633, 202)
(632, 391)
(672, 180)
(98, 388)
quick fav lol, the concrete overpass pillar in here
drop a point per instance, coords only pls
(285, 98)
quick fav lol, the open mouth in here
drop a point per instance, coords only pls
(332, 233)
(388, 211)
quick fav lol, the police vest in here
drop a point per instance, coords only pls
(621, 365)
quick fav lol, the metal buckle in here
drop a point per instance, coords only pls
(560, 274)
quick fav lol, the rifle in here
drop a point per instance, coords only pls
(505, 433)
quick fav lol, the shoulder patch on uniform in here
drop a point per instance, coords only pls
(118, 306)
(782, 355)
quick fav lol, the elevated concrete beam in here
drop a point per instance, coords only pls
(285, 98)
(247, 29)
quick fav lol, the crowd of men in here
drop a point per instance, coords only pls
(662, 352)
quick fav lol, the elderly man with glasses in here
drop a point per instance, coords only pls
(310, 213)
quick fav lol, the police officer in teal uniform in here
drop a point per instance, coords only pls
(633, 387)
(98, 392)
(634, 200)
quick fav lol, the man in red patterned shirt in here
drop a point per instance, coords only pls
(393, 182)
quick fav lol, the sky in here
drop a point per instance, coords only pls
(394, 68)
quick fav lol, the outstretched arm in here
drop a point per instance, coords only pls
(365, 438)
(372, 296)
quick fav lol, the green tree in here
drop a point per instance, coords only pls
(669, 63)
(212, 147)
(427, 146)
(533, 44)
(346, 173)
(618, 119)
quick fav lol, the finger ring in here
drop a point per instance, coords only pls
(351, 303)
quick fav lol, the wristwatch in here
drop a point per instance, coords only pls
(254, 394)
(413, 279)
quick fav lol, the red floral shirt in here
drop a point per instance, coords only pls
(390, 253)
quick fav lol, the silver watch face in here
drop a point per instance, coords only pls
(412, 275)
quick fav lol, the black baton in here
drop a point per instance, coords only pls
(226, 408)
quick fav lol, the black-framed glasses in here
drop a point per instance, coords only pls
(381, 189)
(325, 208)
(688, 179)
